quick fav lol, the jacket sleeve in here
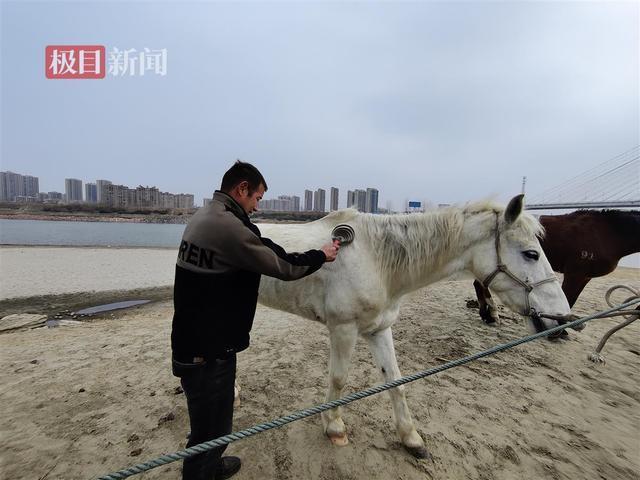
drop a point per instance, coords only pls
(261, 255)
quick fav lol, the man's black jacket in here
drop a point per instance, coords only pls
(220, 260)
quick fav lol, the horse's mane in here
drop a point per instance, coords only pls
(340, 216)
(606, 212)
(624, 221)
(401, 242)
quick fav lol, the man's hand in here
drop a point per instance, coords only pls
(331, 250)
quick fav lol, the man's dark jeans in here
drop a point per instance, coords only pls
(208, 387)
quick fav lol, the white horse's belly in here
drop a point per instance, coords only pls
(329, 297)
(298, 297)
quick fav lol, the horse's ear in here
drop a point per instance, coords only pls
(514, 209)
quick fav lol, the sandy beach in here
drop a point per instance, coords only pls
(28, 271)
(87, 400)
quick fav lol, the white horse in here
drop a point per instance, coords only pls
(392, 255)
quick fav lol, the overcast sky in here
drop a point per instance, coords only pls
(440, 102)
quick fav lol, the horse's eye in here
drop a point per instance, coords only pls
(532, 254)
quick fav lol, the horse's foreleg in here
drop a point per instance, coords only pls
(488, 310)
(343, 339)
(381, 345)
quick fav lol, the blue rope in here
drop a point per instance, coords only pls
(279, 422)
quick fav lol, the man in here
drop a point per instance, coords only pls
(220, 260)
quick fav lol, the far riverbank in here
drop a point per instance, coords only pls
(98, 217)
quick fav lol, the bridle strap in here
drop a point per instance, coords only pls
(502, 268)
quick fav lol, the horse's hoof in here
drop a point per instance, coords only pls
(419, 452)
(487, 316)
(339, 440)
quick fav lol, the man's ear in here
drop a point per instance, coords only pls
(243, 187)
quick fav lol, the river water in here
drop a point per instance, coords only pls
(47, 232)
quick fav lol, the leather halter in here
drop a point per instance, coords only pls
(528, 287)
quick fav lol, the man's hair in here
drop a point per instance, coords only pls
(239, 172)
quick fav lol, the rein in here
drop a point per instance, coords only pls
(528, 287)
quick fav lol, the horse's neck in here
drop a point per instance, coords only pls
(628, 238)
(617, 232)
(627, 246)
(416, 250)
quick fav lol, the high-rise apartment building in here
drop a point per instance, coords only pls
(114, 195)
(319, 200)
(308, 200)
(14, 186)
(11, 186)
(73, 190)
(144, 197)
(183, 200)
(100, 186)
(360, 200)
(90, 193)
(283, 203)
(371, 205)
(363, 200)
(31, 187)
(147, 196)
(351, 198)
(334, 199)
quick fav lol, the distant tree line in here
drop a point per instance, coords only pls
(289, 216)
(97, 209)
(92, 209)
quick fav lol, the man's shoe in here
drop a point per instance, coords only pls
(227, 467)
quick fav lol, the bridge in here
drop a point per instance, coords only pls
(614, 183)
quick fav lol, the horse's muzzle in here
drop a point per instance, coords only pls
(570, 318)
(540, 326)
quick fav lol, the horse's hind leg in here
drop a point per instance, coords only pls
(381, 345)
(343, 339)
(488, 310)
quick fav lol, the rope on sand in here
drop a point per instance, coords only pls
(632, 317)
(279, 422)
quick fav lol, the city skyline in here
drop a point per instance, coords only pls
(343, 202)
(17, 187)
(76, 190)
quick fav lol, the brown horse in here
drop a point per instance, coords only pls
(581, 245)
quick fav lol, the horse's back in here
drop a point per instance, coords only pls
(344, 288)
(587, 242)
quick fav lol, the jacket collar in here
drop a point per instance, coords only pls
(231, 204)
